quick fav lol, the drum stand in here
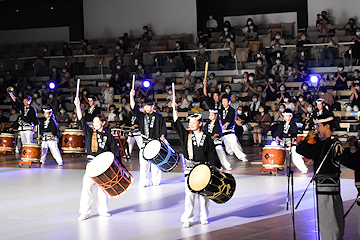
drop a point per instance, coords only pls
(30, 163)
(290, 193)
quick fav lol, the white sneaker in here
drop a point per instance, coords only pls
(156, 184)
(245, 160)
(204, 222)
(60, 164)
(104, 214)
(186, 225)
(83, 217)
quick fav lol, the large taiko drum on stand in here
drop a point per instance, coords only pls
(73, 141)
(31, 152)
(162, 155)
(109, 174)
(211, 183)
(7, 142)
(273, 158)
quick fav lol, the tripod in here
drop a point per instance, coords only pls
(290, 193)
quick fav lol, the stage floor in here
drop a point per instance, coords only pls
(43, 203)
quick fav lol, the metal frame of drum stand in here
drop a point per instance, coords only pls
(290, 193)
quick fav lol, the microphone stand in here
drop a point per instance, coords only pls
(290, 194)
(352, 205)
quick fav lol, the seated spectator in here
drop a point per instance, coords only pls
(227, 31)
(44, 92)
(188, 81)
(140, 72)
(211, 25)
(340, 78)
(304, 90)
(356, 47)
(86, 47)
(307, 117)
(243, 81)
(329, 50)
(301, 50)
(282, 94)
(271, 89)
(125, 110)
(178, 58)
(288, 102)
(227, 90)
(52, 103)
(264, 120)
(55, 76)
(300, 105)
(241, 122)
(350, 27)
(260, 69)
(202, 39)
(101, 50)
(251, 34)
(246, 28)
(356, 78)
(279, 117)
(354, 99)
(74, 121)
(320, 17)
(251, 86)
(107, 94)
(276, 51)
(199, 85)
(141, 90)
(66, 50)
(63, 119)
(235, 103)
(169, 99)
(325, 27)
(254, 105)
(328, 97)
(223, 60)
(41, 61)
(65, 78)
(212, 83)
(261, 92)
(123, 44)
(116, 83)
(201, 57)
(127, 89)
(13, 115)
(126, 39)
(147, 35)
(118, 57)
(278, 70)
(83, 97)
(37, 102)
(159, 81)
(186, 101)
(29, 90)
(137, 54)
(302, 72)
(114, 114)
(290, 73)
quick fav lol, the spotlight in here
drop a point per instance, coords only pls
(52, 85)
(314, 79)
(146, 84)
(273, 143)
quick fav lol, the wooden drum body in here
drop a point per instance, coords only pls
(273, 156)
(108, 173)
(73, 141)
(7, 142)
(162, 155)
(209, 182)
(31, 152)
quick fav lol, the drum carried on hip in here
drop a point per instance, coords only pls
(273, 158)
(7, 143)
(162, 155)
(109, 174)
(209, 182)
(73, 141)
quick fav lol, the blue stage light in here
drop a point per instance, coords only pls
(52, 85)
(273, 143)
(314, 79)
(146, 84)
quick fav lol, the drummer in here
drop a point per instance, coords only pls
(49, 132)
(201, 149)
(28, 119)
(134, 135)
(152, 126)
(91, 112)
(97, 141)
(287, 131)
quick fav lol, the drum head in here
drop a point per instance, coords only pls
(152, 149)
(199, 177)
(7, 135)
(273, 147)
(100, 164)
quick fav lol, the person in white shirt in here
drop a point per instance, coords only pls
(276, 49)
(278, 70)
(212, 83)
(159, 81)
(211, 25)
(186, 101)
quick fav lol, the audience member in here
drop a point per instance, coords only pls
(101, 50)
(178, 58)
(302, 72)
(276, 51)
(251, 34)
(329, 50)
(325, 27)
(186, 101)
(254, 105)
(260, 69)
(86, 47)
(303, 51)
(327, 96)
(55, 76)
(118, 57)
(304, 90)
(271, 89)
(202, 39)
(356, 47)
(107, 94)
(159, 81)
(212, 83)
(251, 86)
(63, 119)
(13, 115)
(223, 60)
(137, 54)
(278, 70)
(66, 50)
(320, 17)
(140, 72)
(356, 77)
(188, 80)
(241, 123)
(201, 57)
(41, 61)
(354, 99)
(246, 28)
(340, 78)
(227, 31)
(65, 78)
(263, 120)
(279, 114)
(290, 73)
(211, 25)
(146, 35)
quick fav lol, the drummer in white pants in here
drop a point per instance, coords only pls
(49, 132)
(97, 141)
(287, 131)
(214, 129)
(135, 134)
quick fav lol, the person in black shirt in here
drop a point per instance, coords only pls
(97, 141)
(92, 111)
(214, 102)
(49, 132)
(134, 134)
(319, 110)
(327, 155)
(152, 126)
(201, 149)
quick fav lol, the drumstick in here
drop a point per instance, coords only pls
(168, 144)
(77, 88)
(173, 90)
(206, 70)
(133, 83)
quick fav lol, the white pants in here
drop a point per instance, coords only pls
(145, 167)
(297, 160)
(86, 198)
(231, 142)
(52, 145)
(188, 215)
(131, 142)
(222, 157)
(26, 136)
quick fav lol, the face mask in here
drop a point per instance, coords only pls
(137, 46)
(226, 29)
(259, 89)
(64, 71)
(170, 92)
(259, 63)
(62, 111)
(286, 99)
(54, 70)
(309, 109)
(303, 37)
(282, 89)
(254, 99)
(20, 95)
(301, 99)
(177, 45)
(277, 36)
(128, 84)
(139, 67)
(357, 87)
(270, 80)
(35, 95)
(51, 96)
(187, 73)
(201, 46)
(251, 78)
(278, 61)
(357, 33)
(249, 22)
(158, 73)
(117, 48)
(85, 92)
(340, 69)
(118, 67)
(28, 87)
(322, 93)
(45, 50)
(239, 112)
(120, 41)
(145, 30)
(43, 87)
(281, 109)
(186, 93)
(251, 27)
(228, 40)
(227, 90)
(211, 17)
(355, 75)
(7, 73)
(116, 77)
(305, 87)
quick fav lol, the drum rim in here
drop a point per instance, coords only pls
(7, 135)
(199, 165)
(31, 145)
(274, 147)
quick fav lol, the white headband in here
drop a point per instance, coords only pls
(195, 117)
(213, 111)
(320, 100)
(89, 99)
(286, 113)
(47, 110)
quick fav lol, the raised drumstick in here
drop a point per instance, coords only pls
(173, 90)
(206, 70)
(133, 83)
(77, 88)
